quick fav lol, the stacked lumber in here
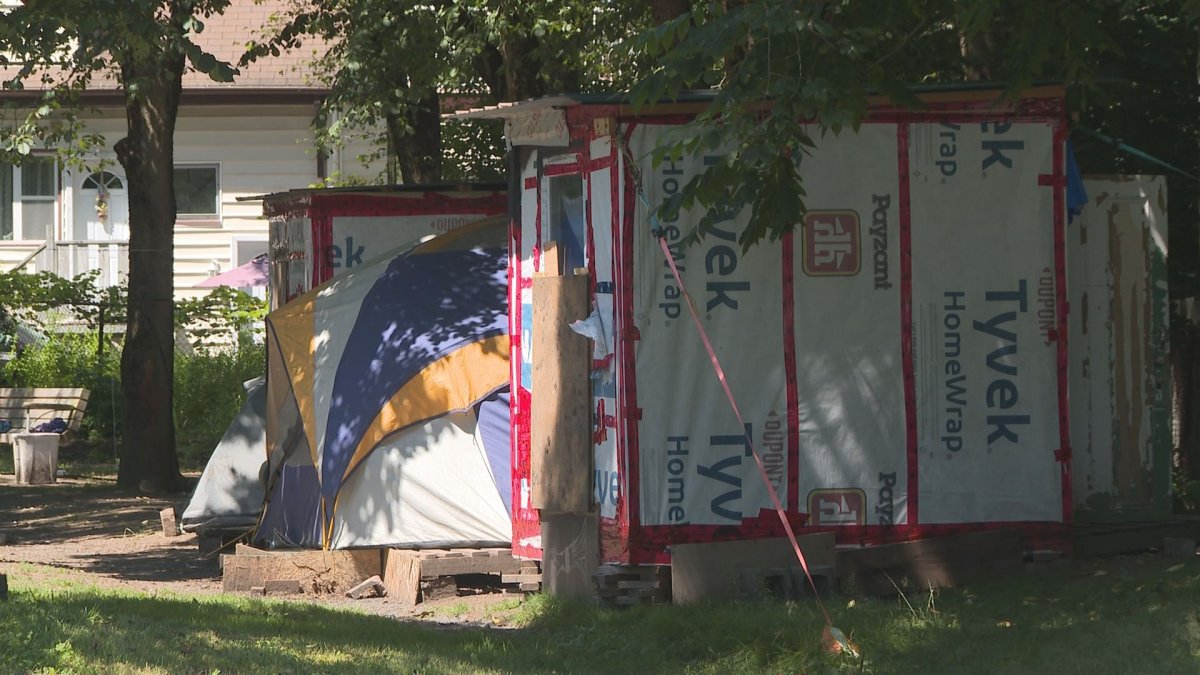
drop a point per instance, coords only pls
(414, 576)
(622, 585)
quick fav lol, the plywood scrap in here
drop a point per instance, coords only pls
(731, 569)
(167, 517)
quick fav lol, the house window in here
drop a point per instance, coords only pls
(103, 180)
(6, 202)
(33, 188)
(197, 192)
(243, 251)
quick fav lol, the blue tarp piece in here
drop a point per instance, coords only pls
(1076, 193)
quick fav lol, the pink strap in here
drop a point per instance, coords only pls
(762, 471)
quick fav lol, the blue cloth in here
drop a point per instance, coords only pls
(5, 426)
(54, 426)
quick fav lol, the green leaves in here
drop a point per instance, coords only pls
(223, 312)
(204, 62)
(785, 64)
(33, 298)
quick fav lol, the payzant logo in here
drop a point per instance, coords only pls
(846, 506)
(832, 244)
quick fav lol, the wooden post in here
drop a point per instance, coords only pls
(561, 452)
(561, 448)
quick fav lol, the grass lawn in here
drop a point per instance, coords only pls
(1129, 615)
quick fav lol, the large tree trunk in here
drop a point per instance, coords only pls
(415, 142)
(148, 459)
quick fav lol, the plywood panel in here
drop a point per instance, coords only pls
(710, 571)
(938, 562)
(560, 439)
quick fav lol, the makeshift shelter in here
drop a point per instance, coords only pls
(387, 412)
(317, 234)
(900, 361)
(230, 492)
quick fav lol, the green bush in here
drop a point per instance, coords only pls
(208, 385)
(209, 393)
(70, 360)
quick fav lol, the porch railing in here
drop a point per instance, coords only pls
(70, 258)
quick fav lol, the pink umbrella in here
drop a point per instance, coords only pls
(253, 273)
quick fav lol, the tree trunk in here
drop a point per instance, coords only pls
(662, 11)
(416, 142)
(148, 459)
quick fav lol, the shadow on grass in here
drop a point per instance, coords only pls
(95, 631)
(1144, 621)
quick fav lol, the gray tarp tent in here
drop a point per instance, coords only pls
(230, 492)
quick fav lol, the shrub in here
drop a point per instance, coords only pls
(208, 384)
(71, 360)
(209, 391)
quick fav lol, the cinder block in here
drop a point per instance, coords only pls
(1179, 547)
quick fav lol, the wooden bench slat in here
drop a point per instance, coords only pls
(41, 404)
(44, 392)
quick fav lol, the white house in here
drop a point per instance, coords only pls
(232, 141)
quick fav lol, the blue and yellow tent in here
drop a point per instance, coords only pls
(387, 405)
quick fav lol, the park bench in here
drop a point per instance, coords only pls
(27, 407)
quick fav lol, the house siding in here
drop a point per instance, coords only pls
(259, 149)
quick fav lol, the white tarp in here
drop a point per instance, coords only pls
(695, 464)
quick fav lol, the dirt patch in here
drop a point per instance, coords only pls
(87, 531)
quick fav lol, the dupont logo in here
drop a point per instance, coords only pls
(844, 506)
(831, 243)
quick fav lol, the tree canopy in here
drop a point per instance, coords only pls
(817, 64)
(59, 49)
(392, 65)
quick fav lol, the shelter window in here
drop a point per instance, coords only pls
(197, 192)
(568, 222)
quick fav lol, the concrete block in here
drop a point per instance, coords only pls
(1179, 547)
(714, 571)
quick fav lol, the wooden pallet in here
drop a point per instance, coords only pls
(622, 585)
(412, 576)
